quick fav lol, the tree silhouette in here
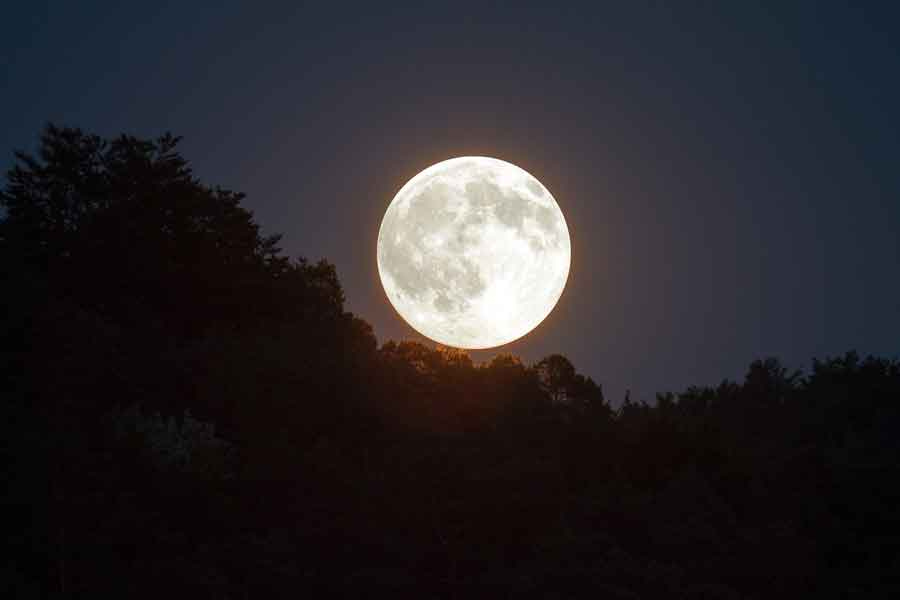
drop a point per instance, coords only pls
(557, 376)
(188, 411)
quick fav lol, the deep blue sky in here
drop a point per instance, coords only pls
(731, 178)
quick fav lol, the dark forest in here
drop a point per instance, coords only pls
(191, 413)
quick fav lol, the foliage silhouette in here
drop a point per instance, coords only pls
(190, 412)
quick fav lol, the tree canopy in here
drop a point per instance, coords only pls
(190, 411)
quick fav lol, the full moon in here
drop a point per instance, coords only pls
(473, 252)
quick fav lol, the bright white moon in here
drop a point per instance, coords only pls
(473, 252)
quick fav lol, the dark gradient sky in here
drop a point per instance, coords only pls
(731, 180)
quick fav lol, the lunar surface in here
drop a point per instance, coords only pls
(473, 252)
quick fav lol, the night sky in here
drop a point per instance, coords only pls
(730, 178)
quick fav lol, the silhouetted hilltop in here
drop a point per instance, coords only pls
(189, 412)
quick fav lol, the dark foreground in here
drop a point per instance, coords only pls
(188, 413)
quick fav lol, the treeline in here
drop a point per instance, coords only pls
(189, 412)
